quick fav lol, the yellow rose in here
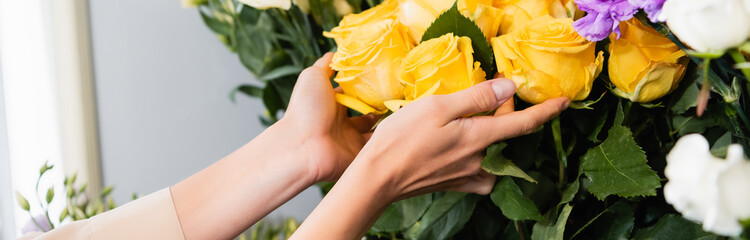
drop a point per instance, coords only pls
(368, 63)
(517, 13)
(385, 10)
(418, 15)
(547, 59)
(438, 66)
(643, 64)
(487, 17)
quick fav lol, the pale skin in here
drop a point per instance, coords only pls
(424, 147)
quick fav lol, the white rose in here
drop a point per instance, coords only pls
(708, 24)
(266, 4)
(706, 189)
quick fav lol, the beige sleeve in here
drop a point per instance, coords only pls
(150, 217)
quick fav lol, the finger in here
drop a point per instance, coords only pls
(324, 62)
(364, 123)
(478, 98)
(315, 82)
(489, 129)
(507, 107)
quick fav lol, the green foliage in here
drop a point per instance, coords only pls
(22, 202)
(552, 230)
(451, 21)
(445, 217)
(402, 214)
(673, 226)
(495, 163)
(619, 166)
(514, 205)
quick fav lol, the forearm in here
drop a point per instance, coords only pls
(229, 196)
(350, 208)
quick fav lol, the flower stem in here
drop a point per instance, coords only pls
(519, 230)
(41, 229)
(562, 156)
(739, 58)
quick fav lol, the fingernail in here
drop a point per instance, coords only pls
(504, 89)
(565, 104)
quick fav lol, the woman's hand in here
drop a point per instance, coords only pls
(315, 141)
(321, 127)
(426, 146)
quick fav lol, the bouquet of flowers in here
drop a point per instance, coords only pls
(659, 91)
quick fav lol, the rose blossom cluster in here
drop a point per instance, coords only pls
(704, 25)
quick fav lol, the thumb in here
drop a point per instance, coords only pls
(479, 98)
(314, 83)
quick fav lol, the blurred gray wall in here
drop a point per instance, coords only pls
(162, 84)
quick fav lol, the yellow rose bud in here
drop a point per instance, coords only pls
(385, 10)
(368, 63)
(516, 13)
(438, 66)
(643, 64)
(547, 59)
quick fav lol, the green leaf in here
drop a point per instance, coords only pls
(552, 230)
(63, 214)
(50, 194)
(451, 21)
(106, 191)
(514, 205)
(249, 90)
(673, 226)
(570, 192)
(619, 166)
(280, 72)
(495, 163)
(599, 125)
(445, 217)
(719, 149)
(217, 26)
(614, 223)
(687, 100)
(692, 124)
(22, 202)
(402, 214)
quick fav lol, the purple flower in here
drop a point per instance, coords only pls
(651, 7)
(603, 17)
(32, 227)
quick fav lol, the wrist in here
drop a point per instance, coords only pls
(281, 143)
(365, 177)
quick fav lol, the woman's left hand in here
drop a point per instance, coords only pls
(320, 127)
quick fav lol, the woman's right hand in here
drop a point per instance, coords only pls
(426, 146)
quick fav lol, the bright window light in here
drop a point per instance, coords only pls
(31, 110)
